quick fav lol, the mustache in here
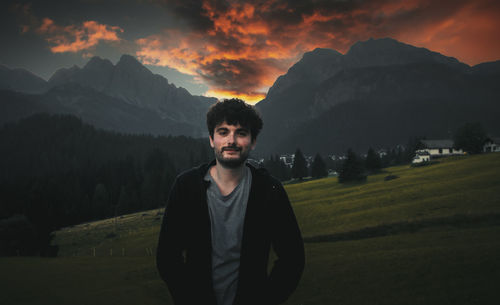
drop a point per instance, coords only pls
(232, 147)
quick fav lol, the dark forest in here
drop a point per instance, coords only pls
(58, 171)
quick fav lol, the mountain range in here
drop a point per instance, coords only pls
(378, 94)
(126, 97)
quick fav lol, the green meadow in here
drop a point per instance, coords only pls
(429, 236)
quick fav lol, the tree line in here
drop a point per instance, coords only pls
(470, 137)
(352, 167)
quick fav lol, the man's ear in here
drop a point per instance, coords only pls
(211, 141)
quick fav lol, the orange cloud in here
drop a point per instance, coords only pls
(77, 38)
(239, 49)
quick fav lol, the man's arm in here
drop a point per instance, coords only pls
(289, 247)
(169, 257)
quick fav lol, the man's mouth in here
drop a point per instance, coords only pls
(231, 149)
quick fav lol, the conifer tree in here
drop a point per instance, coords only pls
(276, 167)
(318, 167)
(352, 169)
(372, 162)
(470, 137)
(299, 167)
(100, 201)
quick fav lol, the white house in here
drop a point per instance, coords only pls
(492, 145)
(439, 148)
(421, 157)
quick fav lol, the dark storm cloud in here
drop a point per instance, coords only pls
(245, 34)
(232, 75)
(190, 10)
(240, 47)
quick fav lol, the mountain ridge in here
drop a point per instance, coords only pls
(374, 73)
(130, 83)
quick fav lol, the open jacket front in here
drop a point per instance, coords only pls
(184, 256)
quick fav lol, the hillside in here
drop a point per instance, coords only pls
(456, 188)
(459, 186)
(449, 257)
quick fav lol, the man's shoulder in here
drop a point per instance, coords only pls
(265, 178)
(192, 174)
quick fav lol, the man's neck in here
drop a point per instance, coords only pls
(227, 178)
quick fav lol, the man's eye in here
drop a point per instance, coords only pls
(243, 133)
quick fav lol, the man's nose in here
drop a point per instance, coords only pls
(232, 138)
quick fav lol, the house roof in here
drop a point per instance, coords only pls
(438, 143)
(422, 153)
(494, 140)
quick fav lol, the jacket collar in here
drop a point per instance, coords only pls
(202, 169)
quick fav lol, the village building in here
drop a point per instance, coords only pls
(421, 157)
(435, 149)
(288, 159)
(440, 148)
(492, 145)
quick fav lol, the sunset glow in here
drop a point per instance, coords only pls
(251, 99)
(239, 48)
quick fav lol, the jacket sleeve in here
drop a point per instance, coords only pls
(289, 247)
(170, 252)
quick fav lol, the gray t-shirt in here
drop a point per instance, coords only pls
(227, 214)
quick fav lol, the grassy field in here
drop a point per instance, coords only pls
(437, 241)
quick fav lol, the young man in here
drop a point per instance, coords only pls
(222, 219)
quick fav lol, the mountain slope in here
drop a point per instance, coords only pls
(21, 80)
(126, 97)
(133, 83)
(380, 93)
(93, 107)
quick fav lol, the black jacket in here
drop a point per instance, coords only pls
(184, 256)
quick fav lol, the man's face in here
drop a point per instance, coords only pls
(231, 144)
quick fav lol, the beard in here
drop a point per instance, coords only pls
(231, 162)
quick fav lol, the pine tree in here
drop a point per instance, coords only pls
(372, 162)
(276, 167)
(318, 167)
(124, 205)
(100, 202)
(352, 169)
(299, 167)
(470, 137)
(284, 170)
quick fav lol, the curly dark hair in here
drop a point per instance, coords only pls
(234, 111)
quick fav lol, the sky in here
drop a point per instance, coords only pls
(234, 48)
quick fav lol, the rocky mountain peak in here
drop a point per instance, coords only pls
(314, 67)
(320, 53)
(97, 63)
(130, 63)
